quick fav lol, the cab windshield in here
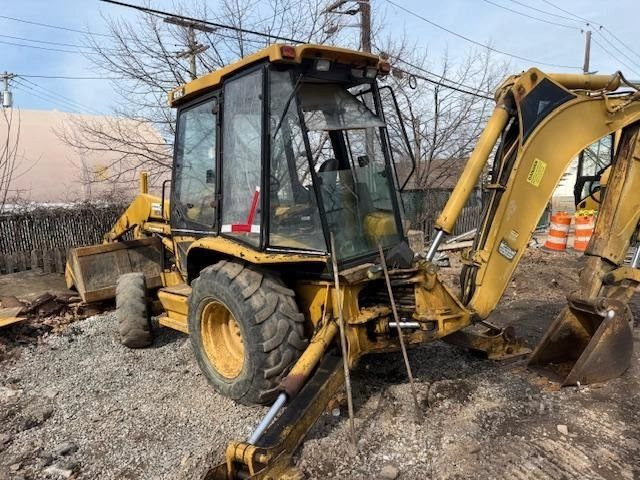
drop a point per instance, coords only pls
(329, 146)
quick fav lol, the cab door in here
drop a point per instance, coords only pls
(194, 201)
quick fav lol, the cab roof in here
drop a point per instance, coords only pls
(276, 53)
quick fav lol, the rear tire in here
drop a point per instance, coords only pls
(132, 311)
(232, 297)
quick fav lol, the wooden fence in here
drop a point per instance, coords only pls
(41, 238)
(422, 208)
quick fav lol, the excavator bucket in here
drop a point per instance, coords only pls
(589, 342)
(94, 270)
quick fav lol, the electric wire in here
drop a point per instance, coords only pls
(196, 20)
(605, 50)
(611, 44)
(567, 11)
(47, 25)
(470, 40)
(546, 12)
(67, 77)
(70, 100)
(590, 22)
(572, 27)
(49, 49)
(24, 88)
(478, 93)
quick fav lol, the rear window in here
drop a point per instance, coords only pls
(540, 102)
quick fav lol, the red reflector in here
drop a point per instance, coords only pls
(287, 51)
(384, 67)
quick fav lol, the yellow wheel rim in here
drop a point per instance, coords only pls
(222, 340)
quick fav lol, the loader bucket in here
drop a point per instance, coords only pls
(94, 270)
(589, 342)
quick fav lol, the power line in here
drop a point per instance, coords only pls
(612, 55)
(478, 93)
(29, 91)
(44, 41)
(70, 77)
(619, 51)
(75, 45)
(470, 40)
(50, 49)
(621, 42)
(564, 25)
(68, 29)
(206, 22)
(587, 21)
(70, 100)
(546, 12)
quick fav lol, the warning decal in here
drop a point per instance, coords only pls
(537, 172)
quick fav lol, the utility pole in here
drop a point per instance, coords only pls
(365, 26)
(587, 51)
(193, 47)
(7, 100)
(364, 8)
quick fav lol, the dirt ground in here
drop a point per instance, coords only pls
(79, 405)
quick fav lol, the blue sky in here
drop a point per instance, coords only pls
(479, 20)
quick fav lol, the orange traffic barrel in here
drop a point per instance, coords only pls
(558, 232)
(585, 223)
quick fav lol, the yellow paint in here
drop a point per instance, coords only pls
(222, 340)
(378, 225)
(234, 249)
(558, 138)
(175, 301)
(473, 169)
(272, 54)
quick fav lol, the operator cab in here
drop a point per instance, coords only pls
(284, 148)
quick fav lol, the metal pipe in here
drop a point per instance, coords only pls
(268, 418)
(473, 169)
(435, 245)
(339, 299)
(577, 81)
(301, 371)
(635, 263)
(404, 324)
(396, 317)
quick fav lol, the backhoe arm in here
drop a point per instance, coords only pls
(144, 215)
(547, 126)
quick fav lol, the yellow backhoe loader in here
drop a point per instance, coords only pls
(288, 149)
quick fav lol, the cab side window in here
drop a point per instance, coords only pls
(194, 200)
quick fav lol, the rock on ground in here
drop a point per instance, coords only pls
(80, 402)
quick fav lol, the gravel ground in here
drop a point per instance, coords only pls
(79, 405)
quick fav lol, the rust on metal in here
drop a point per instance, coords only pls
(589, 342)
(496, 343)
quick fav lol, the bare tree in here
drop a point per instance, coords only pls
(444, 113)
(146, 58)
(10, 138)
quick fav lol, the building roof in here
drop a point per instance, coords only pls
(50, 170)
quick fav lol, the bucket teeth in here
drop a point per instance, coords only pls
(589, 342)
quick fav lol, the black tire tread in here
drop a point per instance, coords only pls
(132, 311)
(272, 325)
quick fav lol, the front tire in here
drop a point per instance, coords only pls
(246, 330)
